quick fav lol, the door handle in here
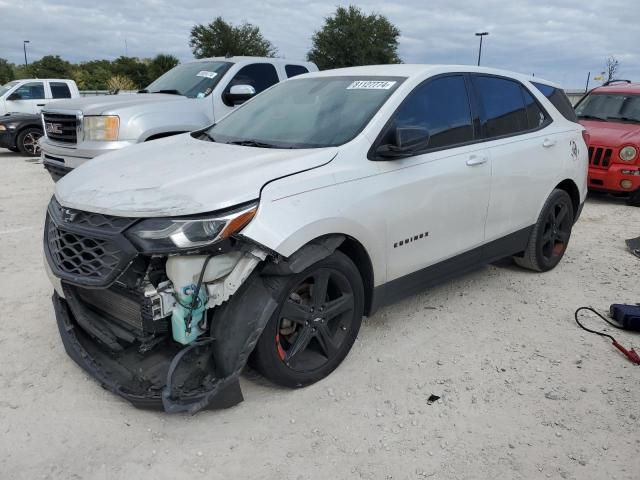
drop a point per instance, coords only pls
(476, 160)
(548, 143)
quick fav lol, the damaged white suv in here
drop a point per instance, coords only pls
(270, 234)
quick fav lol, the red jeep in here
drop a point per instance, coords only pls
(611, 115)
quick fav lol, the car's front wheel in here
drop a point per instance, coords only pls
(550, 235)
(315, 325)
(27, 142)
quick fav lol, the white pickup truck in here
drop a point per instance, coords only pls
(30, 95)
(188, 97)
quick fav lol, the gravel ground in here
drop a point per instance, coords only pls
(524, 393)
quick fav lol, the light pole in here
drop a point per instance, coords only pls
(24, 47)
(480, 34)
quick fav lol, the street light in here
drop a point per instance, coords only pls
(24, 46)
(480, 34)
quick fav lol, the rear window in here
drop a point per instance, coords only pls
(293, 70)
(59, 90)
(558, 99)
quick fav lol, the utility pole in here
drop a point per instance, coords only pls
(586, 88)
(24, 47)
(480, 34)
(126, 49)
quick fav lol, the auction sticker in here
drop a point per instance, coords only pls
(371, 85)
(206, 73)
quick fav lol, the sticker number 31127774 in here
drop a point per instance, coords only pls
(371, 85)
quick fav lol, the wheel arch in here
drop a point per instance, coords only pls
(572, 190)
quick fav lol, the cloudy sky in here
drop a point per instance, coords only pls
(560, 40)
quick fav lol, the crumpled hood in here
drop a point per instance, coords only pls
(106, 104)
(180, 175)
(612, 134)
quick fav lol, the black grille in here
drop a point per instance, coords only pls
(86, 248)
(61, 127)
(600, 157)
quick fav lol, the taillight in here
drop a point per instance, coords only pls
(586, 137)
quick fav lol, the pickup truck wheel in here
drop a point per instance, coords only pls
(550, 235)
(634, 199)
(27, 142)
(318, 318)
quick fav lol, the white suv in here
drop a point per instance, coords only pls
(274, 231)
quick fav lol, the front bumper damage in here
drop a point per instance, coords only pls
(172, 377)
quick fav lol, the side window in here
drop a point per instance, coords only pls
(59, 90)
(259, 75)
(31, 91)
(293, 70)
(558, 99)
(442, 107)
(503, 106)
(536, 117)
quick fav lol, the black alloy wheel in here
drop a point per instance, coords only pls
(315, 325)
(550, 236)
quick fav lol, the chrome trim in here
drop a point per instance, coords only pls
(79, 125)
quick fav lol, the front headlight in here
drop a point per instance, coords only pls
(3, 128)
(628, 154)
(101, 128)
(162, 235)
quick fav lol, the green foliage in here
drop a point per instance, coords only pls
(160, 64)
(50, 66)
(220, 38)
(92, 75)
(134, 69)
(6, 71)
(350, 37)
(120, 82)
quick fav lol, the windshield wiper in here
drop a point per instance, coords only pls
(593, 117)
(144, 90)
(625, 119)
(253, 143)
(171, 91)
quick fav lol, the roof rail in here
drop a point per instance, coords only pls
(615, 81)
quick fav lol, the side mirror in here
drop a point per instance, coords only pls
(408, 141)
(239, 94)
(14, 96)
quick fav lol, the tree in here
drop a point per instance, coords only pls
(160, 64)
(6, 71)
(121, 82)
(350, 37)
(220, 38)
(93, 75)
(133, 68)
(611, 67)
(50, 66)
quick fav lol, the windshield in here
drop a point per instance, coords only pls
(610, 107)
(7, 86)
(193, 80)
(306, 112)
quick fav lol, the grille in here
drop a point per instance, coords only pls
(105, 223)
(78, 255)
(86, 248)
(600, 157)
(61, 127)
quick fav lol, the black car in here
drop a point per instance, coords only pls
(20, 132)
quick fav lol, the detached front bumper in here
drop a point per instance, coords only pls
(141, 379)
(609, 180)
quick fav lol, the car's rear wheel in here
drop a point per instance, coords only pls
(550, 235)
(318, 318)
(27, 142)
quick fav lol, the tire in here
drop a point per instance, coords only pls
(634, 199)
(318, 332)
(14, 149)
(27, 142)
(550, 235)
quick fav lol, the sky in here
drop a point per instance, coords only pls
(561, 41)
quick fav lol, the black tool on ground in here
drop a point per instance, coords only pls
(616, 312)
(634, 246)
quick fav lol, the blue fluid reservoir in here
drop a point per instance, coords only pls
(181, 312)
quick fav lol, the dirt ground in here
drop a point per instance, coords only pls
(524, 393)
